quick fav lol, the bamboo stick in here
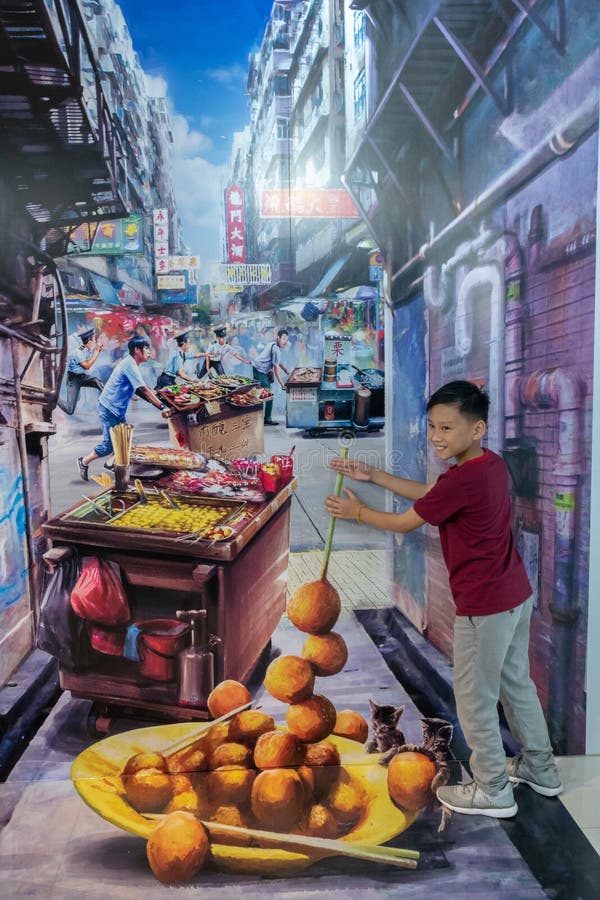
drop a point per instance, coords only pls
(337, 491)
(393, 856)
(189, 739)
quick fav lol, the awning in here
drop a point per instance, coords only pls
(324, 285)
(106, 290)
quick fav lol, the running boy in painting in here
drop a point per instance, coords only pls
(470, 504)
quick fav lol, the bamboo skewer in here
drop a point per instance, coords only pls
(122, 437)
(189, 739)
(393, 856)
(328, 542)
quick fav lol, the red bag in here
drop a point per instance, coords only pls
(98, 595)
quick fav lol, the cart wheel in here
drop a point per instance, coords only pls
(347, 438)
(99, 721)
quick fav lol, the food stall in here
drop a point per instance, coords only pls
(199, 536)
(337, 395)
(221, 417)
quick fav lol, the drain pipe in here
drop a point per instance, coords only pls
(555, 144)
(486, 278)
(560, 389)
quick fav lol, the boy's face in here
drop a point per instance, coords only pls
(453, 434)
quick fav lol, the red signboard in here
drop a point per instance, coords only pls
(235, 224)
(307, 203)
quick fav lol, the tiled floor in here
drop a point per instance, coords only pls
(361, 578)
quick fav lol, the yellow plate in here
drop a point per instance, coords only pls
(96, 775)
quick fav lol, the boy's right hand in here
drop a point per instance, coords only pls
(351, 468)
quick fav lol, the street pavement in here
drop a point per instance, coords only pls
(76, 436)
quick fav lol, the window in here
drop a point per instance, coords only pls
(283, 131)
(360, 94)
(359, 28)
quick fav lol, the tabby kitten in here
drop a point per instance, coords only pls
(437, 735)
(386, 737)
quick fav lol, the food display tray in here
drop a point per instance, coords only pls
(305, 376)
(167, 458)
(104, 513)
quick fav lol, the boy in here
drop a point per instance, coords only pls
(471, 506)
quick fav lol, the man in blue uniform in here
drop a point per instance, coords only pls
(175, 367)
(79, 363)
(217, 352)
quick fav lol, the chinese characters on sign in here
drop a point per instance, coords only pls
(235, 224)
(251, 273)
(112, 237)
(160, 219)
(337, 346)
(307, 203)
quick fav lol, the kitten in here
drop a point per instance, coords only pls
(437, 735)
(386, 737)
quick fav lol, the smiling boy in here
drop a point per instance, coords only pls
(470, 504)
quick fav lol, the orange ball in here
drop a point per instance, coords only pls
(312, 719)
(226, 696)
(314, 607)
(327, 653)
(351, 725)
(178, 848)
(290, 679)
(409, 780)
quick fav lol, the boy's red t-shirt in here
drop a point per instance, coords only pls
(470, 504)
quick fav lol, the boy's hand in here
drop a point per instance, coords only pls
(343, 507)
(351, 468)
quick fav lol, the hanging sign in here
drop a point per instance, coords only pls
(235, 224)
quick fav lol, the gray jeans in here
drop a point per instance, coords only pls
(491, 663)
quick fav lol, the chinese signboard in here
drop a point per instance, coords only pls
(337, 346)
(235, 224)
(183, 262)
(307, 203)
(171, 282)
(251, 273)
(160, 220)
(111, 238)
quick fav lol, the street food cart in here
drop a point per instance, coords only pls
(221, 417)
(318, 400)
(209, 551)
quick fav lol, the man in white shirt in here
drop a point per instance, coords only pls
(125, 380)
(79, 363)
(266, 366)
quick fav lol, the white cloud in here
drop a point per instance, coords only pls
(198, 184)
(228, 75)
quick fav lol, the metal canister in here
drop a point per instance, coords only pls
(329, 410)
(362, 406)
(330, 369)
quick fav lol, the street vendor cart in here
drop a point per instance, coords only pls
(318, 400)
(234, 568)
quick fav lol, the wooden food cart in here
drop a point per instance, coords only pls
(241, 582)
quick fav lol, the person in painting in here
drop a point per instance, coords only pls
(175, 367)
(266, 366)
(125, 381)
(79, 364)
(470, 504)
(218, 351)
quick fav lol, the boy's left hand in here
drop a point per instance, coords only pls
(343, 507)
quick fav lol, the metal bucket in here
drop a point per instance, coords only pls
(159, 643)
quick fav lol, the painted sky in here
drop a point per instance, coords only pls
(195, 52)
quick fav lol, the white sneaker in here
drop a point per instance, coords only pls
(470, 799)
(543, 781)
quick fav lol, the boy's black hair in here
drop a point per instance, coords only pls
(472, 401)
(282, 331)
(137, 343)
